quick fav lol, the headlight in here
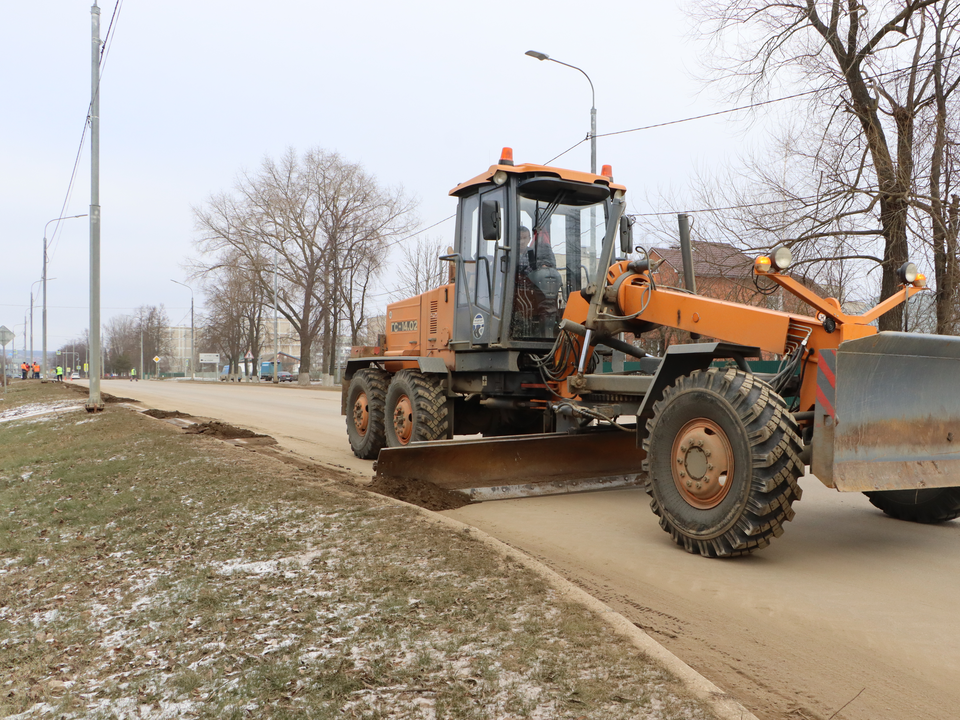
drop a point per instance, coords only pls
(781, 257)
(907, 273)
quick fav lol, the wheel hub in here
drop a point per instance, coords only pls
(361, 414)
(702, 463)
(403, 419)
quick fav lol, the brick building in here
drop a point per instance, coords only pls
(722, 272)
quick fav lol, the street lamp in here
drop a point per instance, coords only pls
(35, 282)
(593, 104)
(43, 360)
(593, 140)
(193, 348)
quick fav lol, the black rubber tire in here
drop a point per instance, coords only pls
(428, 417)
(371, 383)
(928, 505)
(765, 446)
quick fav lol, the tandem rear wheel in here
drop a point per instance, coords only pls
(365, 412)
(723, 461)
(416, 409)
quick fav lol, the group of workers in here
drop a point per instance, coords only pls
(30, 371)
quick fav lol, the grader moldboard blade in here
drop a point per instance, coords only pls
(897, 412)
(520, 466)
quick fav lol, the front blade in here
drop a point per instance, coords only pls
(521, 465)
(897, 412)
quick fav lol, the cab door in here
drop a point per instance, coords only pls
(480, 272)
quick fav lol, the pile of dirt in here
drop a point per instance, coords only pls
(164, 414)
(223, 431)
(418, 492)
(108, 398)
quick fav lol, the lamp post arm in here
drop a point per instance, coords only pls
(43, 360)
(593, 95)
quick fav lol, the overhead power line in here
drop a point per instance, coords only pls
(104, 53)
(749, 106)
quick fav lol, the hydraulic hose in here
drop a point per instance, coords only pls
(611, 342)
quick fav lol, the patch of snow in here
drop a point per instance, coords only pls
(31, 410)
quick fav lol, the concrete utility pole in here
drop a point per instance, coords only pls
(31, 320)
(95, 404)
(276, 337)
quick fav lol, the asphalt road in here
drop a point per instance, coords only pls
(847, 607)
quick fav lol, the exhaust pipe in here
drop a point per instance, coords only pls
(686, 252)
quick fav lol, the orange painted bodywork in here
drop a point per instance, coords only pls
(770, 330)
(421, 326)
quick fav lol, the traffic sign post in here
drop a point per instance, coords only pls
(6, 336)
(156, 359)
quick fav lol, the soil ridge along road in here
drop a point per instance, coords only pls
(847, 606)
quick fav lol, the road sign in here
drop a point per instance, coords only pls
(248, 356)
(209, 358)
(156, 358)
(6, 335)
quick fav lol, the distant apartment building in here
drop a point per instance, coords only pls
(177, 359)
(288, 344)
(178, 350)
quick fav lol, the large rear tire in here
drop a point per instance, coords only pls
(365, 412)
(416, 409)
(723, 462)
(927, 505)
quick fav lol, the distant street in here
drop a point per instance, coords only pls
(846, 601)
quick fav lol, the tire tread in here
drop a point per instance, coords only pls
(374, 382)
(775, 446)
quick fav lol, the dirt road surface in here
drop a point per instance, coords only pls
(847, 606)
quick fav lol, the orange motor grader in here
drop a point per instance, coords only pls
(512, 350)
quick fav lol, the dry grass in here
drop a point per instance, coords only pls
(148, 573)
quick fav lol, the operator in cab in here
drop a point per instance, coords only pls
(537, 287)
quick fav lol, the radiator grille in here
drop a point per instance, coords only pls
(433, 317)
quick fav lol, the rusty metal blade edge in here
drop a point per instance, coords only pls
(561, 487)
(483, 467)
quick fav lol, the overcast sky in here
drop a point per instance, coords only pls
(422, 94)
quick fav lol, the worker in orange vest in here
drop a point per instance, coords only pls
(36, 370)
(23, 370)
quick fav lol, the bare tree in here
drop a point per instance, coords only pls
(323, 221)
(127, 338)
(877, 73)
(226, 326)
(421, 268)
